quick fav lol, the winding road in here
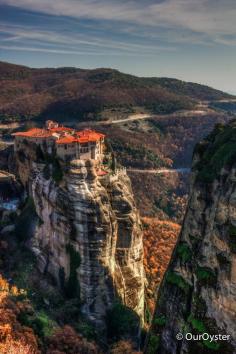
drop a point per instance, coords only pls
(160, 170)
(201, 110)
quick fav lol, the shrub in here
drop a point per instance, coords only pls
(184, 252)
(220, 152)
(178, 280)
(159, 320)
(122, 322)
(206, 276)
(153, 344)
(211, 345)
(123, 347)
(66, 340)
(198, 325)
(42, 325)
(38, 321)
(72, 288)
(25, 221)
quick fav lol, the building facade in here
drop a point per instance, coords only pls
(66, 143)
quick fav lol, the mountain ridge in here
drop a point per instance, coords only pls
(85, 94)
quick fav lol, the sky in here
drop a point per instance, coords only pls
(193, 40)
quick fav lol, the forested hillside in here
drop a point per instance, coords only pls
(71, 93)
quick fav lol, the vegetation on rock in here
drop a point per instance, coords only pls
(72, 288)
(122, 322)
(159, 240)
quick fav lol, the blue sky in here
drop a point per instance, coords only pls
(194, 40)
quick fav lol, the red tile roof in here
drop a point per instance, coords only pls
(82, 137)
(61, 129)
(88, 135)
(66, 140)
(34, 133)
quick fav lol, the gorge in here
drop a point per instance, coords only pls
(105, 250)
(198, 293)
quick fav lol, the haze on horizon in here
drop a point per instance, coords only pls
(186, 39)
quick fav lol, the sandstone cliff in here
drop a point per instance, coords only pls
(198, 294)
(89, 237)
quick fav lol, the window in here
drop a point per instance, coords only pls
(65, 147)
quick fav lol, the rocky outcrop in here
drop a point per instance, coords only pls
(89, 236)
(7, 158)
(198, 294)
(9, 187)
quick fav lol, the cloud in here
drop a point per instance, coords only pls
(20, 37)
(53, 51)
(204, 16)
(69, 51)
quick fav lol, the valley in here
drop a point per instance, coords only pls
(102, 213)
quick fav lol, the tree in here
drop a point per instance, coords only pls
(123, 347)
(122, 322)
(66, 341)
(14, 338)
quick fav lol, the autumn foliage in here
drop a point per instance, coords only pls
(159, 240)
(123, 347)
(66, 341)
(14, 338)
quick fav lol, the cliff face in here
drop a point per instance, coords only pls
(198, 294)
(89, 237)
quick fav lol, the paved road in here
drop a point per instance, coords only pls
(148, 116)
(199, 112)
(160, 170)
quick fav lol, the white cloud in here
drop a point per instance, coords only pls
(203, 16)
(68, 51)
(71, 41)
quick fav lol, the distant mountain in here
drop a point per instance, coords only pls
(71, 93)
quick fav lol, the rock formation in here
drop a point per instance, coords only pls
(89, 236)
(198, 294)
